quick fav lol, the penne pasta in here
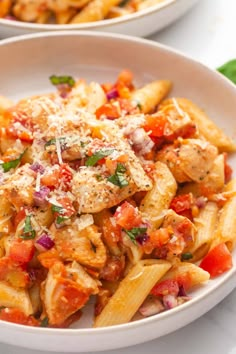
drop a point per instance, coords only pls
(149, 96)
(13, 297)
(205, 224)
(207, 128)
(131, 292)
(147, 3)
(157, 200)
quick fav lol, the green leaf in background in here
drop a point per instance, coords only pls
(229, 70)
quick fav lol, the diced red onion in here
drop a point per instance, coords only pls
(113, 93)
(142, 239)
(182, 291)
(200, 202)
(45, 242)
(169, 301)
(40, 197)
(36, 167)
(10, 17)
(63, 90)
(141, 142)
(150, 307)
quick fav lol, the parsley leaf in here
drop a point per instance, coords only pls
(229, 70)
(186, 256)
(92, 160)
(135, 232)
(60, 80)
(28, 231)
(7, 166)
(61, 219)
(118, 179)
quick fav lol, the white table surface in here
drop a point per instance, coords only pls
(207, 33)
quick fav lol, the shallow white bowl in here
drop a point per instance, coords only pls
(26, 64)
(142, 23)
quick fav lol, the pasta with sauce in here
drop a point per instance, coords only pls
(113, 192)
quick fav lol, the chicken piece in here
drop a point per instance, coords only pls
(85, 246)
(189, 159)
(19, 187)
(65, 290)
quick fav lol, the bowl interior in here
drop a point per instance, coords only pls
(27, 63)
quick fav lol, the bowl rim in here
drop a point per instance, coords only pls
(224, 278)
(90, 25)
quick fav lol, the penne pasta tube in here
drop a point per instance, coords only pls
(14, 297)
(150, 95)
(187, 274)
(157, 200)
(131, 293)
(226, 229)
(205, 224)
(207, 128)
(147, 3)
(96, 10)
(64, 17)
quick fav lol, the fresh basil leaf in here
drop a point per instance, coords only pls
(135, 232)
(60, 80)
(92, 160)
(28, 232)
(186, 256)
(118, 179)
(57, 209)
(229, 70)
(7, 166)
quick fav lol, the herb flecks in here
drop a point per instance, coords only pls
(186, 256)
(97, 156)
(135, 232)
(28, 232)
(7, 166)
(118, 179)
(62, 80)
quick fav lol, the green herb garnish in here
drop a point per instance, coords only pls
(52, 142)
(57, 209)
(44, 322)
(61, 219)
(7, 166)
(97, 156)
(186, 256)
(60, 80)
(139, 105)
(118, 179)
(135, 232)
(28, 231)
(229, 70)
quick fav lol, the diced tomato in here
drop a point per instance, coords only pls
(49, 258)
(13, 273)
(126, 77)
(166, 287)
(113, 269)
(159, 237)
(127, 106)
(181, 203)
(19, 216)
(127, 216)
(185, 280)
(21, 126)
(227, 169)
(67, 205)
(22, 251)
(156, 125)
(217, 261)
(109, 110)
(51, 178)
(107, 86)
(123, 90)
(65, 177)
(17, 316)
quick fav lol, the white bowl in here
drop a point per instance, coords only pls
(26, 64)
(142, 23)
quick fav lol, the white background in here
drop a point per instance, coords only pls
(207, 33)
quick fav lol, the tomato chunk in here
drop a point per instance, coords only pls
(22, 251)
(156, 125)
(16, 316)
(127, 216)
(166, 287)
(217, 261)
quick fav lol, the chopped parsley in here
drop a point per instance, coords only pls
(135, 232)
(57, 209)
(28, 232)
(186, 256)
(7, 166)
(52, 142)
(97, 156)
(118, 179)
(61, 217)
(62, 80)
